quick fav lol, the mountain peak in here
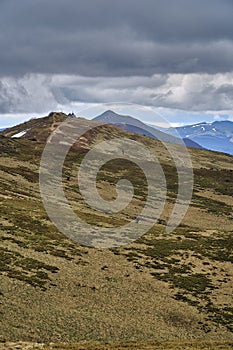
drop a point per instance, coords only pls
(135, 125)
(109, 113)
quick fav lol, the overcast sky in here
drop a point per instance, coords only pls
(173, 55)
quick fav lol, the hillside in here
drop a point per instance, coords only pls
(162, 287)
(35, 129)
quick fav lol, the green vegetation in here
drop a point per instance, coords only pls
(175, 261)
(31, 271)
(220, 180)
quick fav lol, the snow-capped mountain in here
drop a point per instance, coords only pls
(216, 136)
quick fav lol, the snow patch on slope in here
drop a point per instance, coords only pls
(19, 134)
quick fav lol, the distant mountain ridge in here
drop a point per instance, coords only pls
(134, 125)
(216, 136)
(38, 129)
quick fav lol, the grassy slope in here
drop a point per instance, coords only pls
(159, 288)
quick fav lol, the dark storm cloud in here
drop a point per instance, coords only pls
(115, 38)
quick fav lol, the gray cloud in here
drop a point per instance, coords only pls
(31, 93)
(41, 93)
(115, 38)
